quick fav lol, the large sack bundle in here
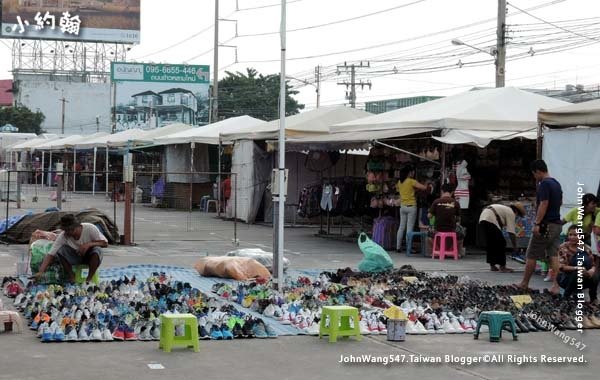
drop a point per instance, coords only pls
(237, 268)
(263, 257)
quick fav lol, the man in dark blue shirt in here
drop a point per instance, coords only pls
(545, 239)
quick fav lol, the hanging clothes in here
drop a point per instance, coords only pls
(462, 188)
(327, 198)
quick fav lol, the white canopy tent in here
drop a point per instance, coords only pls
(58, 144)
(209, 134)
(573, 115)
(480, 112)
(314, 122)
(253, 165)
(33, 143)
(570, 148)
(146, 137)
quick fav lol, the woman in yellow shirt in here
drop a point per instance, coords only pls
(406, 186)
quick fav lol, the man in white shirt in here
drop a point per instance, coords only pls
(493, 219)
(78, 244)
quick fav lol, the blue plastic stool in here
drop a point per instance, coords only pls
(409, 241)
(203, 202)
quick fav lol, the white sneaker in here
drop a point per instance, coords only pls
(373, 326)
(420, 329)
(410, 327)
(448, 328)
(437, 324)
(381, 327)
(454, 322)
(106, 335)
(430, 326)
(83, 335)
(96, 335)
(364, 327)
(145, 335)
(72, 335)
(466, 325)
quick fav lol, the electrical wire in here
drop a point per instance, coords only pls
(550, 23)
(333, 22)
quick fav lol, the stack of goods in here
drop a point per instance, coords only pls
(434, 303)
(128, 310)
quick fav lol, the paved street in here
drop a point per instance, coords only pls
(25, 357)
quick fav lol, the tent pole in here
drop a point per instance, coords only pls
(219, 180)
(539, 142)
(106, 171)
(50, 170)
(94, 176)
(74, 167)
(43, 169)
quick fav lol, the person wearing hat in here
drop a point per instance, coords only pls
(493, 219)
(78, 244)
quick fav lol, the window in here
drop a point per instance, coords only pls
(171, 99)
(184, 100)
(145, 99)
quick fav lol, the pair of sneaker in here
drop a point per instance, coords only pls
(124, 332)
(52, 332)
(217, 332)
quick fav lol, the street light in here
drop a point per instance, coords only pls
(457, 42)
(493, 52)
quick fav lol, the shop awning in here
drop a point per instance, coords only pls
(33, 143)
(498, 109)
(103, 141)
(314, 122)
(482, 138)
(209, 134)
(580, 114)
(73, 143)
(348, 140)
(58, 143)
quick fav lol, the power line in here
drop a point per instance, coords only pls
(333, 22)
(550, 23)
(264, 6)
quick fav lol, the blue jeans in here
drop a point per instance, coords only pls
(408, 217)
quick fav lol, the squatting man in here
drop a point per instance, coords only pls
(78, 244)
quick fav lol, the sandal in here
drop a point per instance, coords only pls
(506, 270)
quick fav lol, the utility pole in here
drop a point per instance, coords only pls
(501, 44)
(62, 118)
(318, 82)
(215, 93)
(97, 124)
(352, 84)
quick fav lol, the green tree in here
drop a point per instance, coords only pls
(22, 118)
(255, 95)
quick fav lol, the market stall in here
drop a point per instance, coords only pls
(465, 134)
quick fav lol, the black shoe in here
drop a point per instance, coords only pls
(528, 324)
(202, 333)
(569, 325)
(538, 326)
(521, 326)
(237, 332)
(247, 329)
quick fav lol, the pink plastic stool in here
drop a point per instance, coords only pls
(439, 245)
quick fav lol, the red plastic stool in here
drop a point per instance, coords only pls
(439, 245)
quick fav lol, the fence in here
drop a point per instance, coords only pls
(171, 206)
(35, 191)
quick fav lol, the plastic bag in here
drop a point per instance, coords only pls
(263, 257)
(376, 258)
(39, 249)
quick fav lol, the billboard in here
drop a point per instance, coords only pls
(155, 95)
(80, 20)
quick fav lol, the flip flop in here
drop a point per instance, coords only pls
(506, 270)
(520, 288)
(494, 269)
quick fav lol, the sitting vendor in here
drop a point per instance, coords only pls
(446, 212)
(572, 261)
(78, 244)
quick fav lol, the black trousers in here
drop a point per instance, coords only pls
(568, 281)
(495, 244)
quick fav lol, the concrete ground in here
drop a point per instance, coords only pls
(179, 238)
